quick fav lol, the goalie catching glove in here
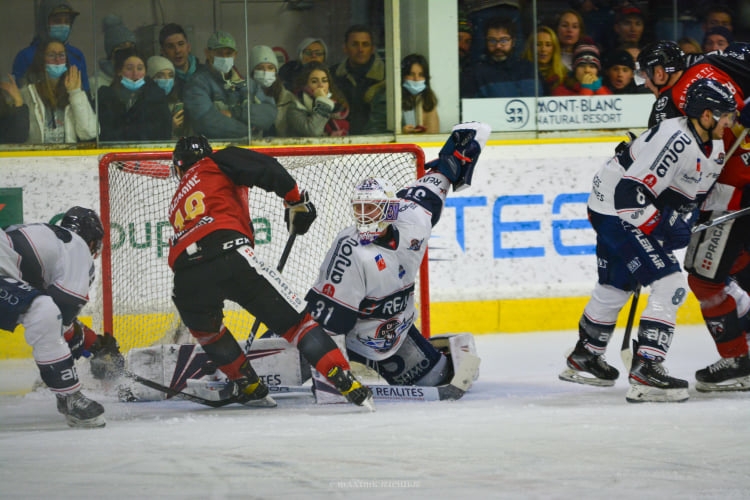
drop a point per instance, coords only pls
(299, 214)
(105, 358)
(460, 153)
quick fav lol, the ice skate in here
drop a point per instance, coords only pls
(80, 411)
(254, 394)
(650, 382)
(351, 388)
(585, 367)
(727, 374)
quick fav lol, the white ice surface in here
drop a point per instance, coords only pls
(519, 433)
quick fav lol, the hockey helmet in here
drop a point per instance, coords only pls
(374, 208)
(664, 53)
(189, 150)
(86, 224)
(708, 93)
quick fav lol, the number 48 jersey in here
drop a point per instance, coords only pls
(367, 291)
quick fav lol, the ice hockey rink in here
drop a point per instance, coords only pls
(519, 433)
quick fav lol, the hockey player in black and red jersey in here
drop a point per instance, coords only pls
(48, 270)
(717, 260)
(213, 258)
(639, 203)
(365, 288)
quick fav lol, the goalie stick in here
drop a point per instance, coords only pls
(280, 267)
(174, 393)
(721, 219)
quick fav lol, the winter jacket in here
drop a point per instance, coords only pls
(513, 77)
(149, 119)
(574, 87)
(80, 121)
(317, 117)
(363, 93)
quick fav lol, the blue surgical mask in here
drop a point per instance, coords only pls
(223, 64)
(415, 86)
(166, 84)
(264, 78)
(55, 71)
(132, 84)
(59, 32)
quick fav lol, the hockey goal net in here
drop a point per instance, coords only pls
(136, 189)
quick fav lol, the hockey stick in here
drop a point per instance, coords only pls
(721, 219)
(625, 353)
(280, 267)
(174, 393)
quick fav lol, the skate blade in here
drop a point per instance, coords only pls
(89, 423)
(571, 375)
(647, 394)
(267, 402)
(369, 403)
(733, 384)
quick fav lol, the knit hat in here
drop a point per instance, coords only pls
(262, 54)
(221, 39)
(309, 41)
(115, 33)
(156, 64)
(464, 26)
(618, 57)
(585, 53)
(719, 30)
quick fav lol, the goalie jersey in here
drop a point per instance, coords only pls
(367, 291)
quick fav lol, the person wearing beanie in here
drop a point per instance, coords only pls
(161, 71)
(264, 69)
(116, 37)
(630, 24)
(584, 79)
(310, 49)
(54, 20)
(216, 96)
(717, 38)
(619, 73)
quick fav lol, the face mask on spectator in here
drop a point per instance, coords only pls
(132, 84)
(223, 64)
(415, 86)
(166, 84)
(59, 32)
(55, 71)
(264, 78)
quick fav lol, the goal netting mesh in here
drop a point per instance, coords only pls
(136, 189)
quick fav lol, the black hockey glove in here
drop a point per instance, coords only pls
(672, 230)
(106, 360)
(300, 215)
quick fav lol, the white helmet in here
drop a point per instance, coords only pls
(374, 207)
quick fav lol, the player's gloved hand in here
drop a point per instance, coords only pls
(300, 214)
(106, 359)
(460, 153)
(79, 338)
(672, 230)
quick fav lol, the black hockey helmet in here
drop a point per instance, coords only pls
(739, 49)
(708, 93)
(664, 53)
(189, 150)
(86, 224)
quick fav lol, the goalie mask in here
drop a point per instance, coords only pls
(86, 224)
(187, 151)
(374, 207)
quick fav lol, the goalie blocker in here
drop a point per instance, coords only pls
(280, 366)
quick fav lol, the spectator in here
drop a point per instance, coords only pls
(59, 109)
(133, 108)
(264, 65)
(116, 37)
(718, 15)
(690, 45)
(320, 108)
(549, 58)
(717, 38)
(619, 68)
(14, 114)
(584, 79)
(176, 47)
(501, 73)
(54, 19)
(161, 71)
(361, 78)
(598, 18)
(480, 12)
(310, 49)
(464, 55)
(570, 31)
(217, 97)
(629, 26)
(418, 101)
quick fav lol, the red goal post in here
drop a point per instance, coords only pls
(137, 187)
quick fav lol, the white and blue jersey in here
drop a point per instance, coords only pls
(367, 291)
